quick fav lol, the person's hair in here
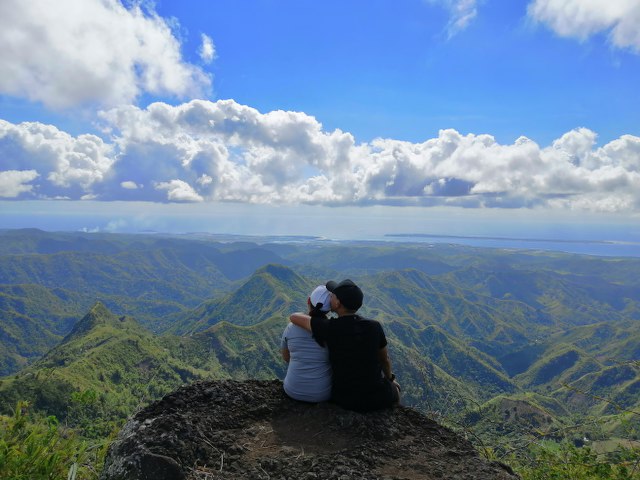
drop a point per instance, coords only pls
(316, 310)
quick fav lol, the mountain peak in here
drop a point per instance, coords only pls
(235, 430)
(99, 309)
(279, 272)
(99, 314)
(272, 290)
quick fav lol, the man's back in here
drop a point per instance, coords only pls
(354, 344)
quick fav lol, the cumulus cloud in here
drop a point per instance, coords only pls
(179, 191)
(207, 49)
(90, 51)
(227, 151)
(69, 166)
(223, 150)
(204, 151)
(583, 18)
(15, 182)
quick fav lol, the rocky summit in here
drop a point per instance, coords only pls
(251, 430)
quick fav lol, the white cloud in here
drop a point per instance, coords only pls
(204, 179)
(68, 165)
(462, 13)
(623, 152)
(129, 185)
(179, 191)
(222, 151)
(584, 18)
(207, 49)
(15, 182)
(90, 51)
(227, 151)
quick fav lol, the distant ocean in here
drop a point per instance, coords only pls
(601, 236)
(583, 247)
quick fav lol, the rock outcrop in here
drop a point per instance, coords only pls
(251, 430)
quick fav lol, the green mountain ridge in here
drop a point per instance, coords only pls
(619, 384)
(482, 376)
(34, 319)
(112, 356)
(488, 324)
(570, 299)
(562, 364)
(516, 340)
(273, 290)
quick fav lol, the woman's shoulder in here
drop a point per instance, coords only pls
(296, 331)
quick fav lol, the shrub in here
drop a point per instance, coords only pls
(567, 462)
(38, 448)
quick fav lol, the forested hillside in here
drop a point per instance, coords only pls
(507, 344)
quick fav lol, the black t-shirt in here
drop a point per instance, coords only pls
(354, 344)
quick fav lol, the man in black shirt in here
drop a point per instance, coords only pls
(362, 377)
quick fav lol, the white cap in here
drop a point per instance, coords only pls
(321, 295)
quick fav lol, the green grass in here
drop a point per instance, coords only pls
(33, 447)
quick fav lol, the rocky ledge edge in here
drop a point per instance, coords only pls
(251, 430)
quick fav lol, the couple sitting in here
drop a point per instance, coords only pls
(343, 359)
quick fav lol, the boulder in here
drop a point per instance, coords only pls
(251, 430)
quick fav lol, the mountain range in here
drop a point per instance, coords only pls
(488, 337)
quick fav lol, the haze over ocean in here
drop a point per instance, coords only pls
(600, 235)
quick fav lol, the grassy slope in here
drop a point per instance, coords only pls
(112, 355)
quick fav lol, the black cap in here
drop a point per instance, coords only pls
(347, 292)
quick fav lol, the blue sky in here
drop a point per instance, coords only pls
(497, 110)
(393, 69)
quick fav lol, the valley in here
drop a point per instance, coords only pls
(506, 344)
